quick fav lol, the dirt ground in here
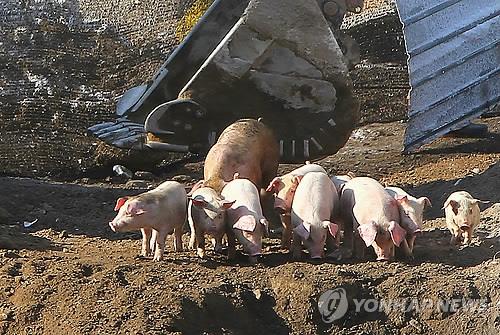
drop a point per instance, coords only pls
(68, 273)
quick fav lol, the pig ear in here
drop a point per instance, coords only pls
(454, 205)
(402, 199)
(199, 201)
(196, 186)
(296, 180)
(398, 234)
(274, 185)
(120, 202)
(303, 230)
(368, 232)
(246, 223)
(333, 228)
(351, 175)
(226, 204)
(425, 201)
(135, 209)
(307, 162)
(475, 201)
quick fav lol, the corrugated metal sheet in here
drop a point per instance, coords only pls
(454, 64)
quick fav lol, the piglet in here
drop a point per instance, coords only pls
(245, 218)
(462, 216)
(411, 211)
(284, 189)
(313, 210)
(156, 213)
(207, 215)
(373, 214)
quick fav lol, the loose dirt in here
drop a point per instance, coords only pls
(68, 273)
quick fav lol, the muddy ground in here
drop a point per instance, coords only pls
(68, 273)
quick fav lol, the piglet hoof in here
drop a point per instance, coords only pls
(157, 258)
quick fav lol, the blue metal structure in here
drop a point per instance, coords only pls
(454, 64)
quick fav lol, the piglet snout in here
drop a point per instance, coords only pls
(112, 226)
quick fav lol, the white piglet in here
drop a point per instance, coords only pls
(411, 210)
(156, 213)
(245, 217)
(314, 206)
(462, 216)
(207, 215)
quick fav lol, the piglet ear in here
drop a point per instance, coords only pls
(196, 186)
(226, 204)
(368, 233)
(333, 228)
(246, 223)
(454, 205)
(425, 201)
(303, 230)
(296, 180)
(120, 202)
(402, 199)
(398, 234)
(135, 209)
(475, 201)
(274, 185)
(199, 201)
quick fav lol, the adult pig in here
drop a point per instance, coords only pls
(245, 217)
(284, 188)
(156, 213)
(207, 215)
(411, 211)
(313, 209)
(247, 147)
(462, 216)
(373, 214)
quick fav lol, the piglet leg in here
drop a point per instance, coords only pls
(286, 236)
(160, 245)
(178, 239)
(146, 239)
(231, 244)
(200, 244)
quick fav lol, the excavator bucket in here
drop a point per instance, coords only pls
(454, 64)
(271, 59)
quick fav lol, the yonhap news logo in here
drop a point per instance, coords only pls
(334, 304)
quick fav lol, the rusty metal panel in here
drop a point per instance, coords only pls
(454, 64)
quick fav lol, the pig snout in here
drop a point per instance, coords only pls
(384, 252)
(112, 226)
(252, 244)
